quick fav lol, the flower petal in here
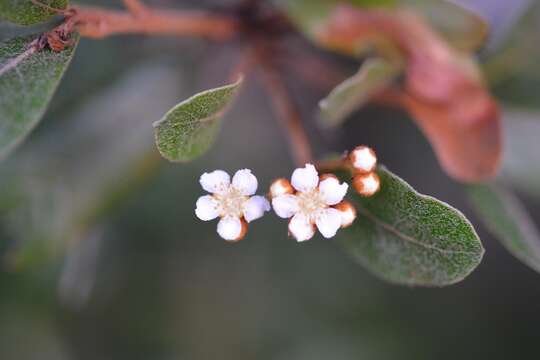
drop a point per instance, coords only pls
(301, 228)
(245, 182)
(332, 191)
(285, 206)
(255, 208)
(230, 228)
(305, 179)
(215, 182)
(207, 208)
(328, 222)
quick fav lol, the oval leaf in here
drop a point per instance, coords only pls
(25, 12)
(188, 129)
(374, 75)
(521, 148)
(411, 239)
(28, 80)
(508, 221)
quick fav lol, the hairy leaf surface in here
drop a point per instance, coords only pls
(412, 239)
(28, 80)
(188, 129)
(506, 217)
(26, 12)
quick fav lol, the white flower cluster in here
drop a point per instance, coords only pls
(310, 201)
(234, 202)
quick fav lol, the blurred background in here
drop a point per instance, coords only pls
(101, 256)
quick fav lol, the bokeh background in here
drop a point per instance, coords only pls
(101, 256)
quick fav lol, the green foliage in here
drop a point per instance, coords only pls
(460, 27)
(374, 75)
(188, 129)
(512, 68)
(25, 12)
(507, 219)
(520, 161)
(106, 151)
(28, 81)
(412, 239)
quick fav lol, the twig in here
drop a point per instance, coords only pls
(287, 114)
(136, 7)
(330, 166)
(99, 23)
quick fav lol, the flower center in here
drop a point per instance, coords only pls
(231, 203)
(310, 203)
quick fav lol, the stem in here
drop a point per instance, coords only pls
(330, 166)
(287, 115)
(99, 23)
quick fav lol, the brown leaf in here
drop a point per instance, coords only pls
(442, 89)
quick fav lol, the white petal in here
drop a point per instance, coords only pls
(207, 208)
(285, 206)
(305, 179)
(301, 228)
(255, 207)
(245, 182)
(332, 191)
(215, 182)
(229, 228)
(328, 222)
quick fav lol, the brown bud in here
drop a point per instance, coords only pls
(366, 184)
(243, 231)
(280, 187)
(327, 176)
(363, 159)
(348, 213)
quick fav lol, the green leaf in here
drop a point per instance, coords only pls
(461, 27)
(374, 75)
(508, 221)
(105, 151)
(28, 80)
(25, 12)
(412, 239)
(188, 129)
(520, 165)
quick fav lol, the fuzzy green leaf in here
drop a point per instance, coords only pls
(411, 239)
(28, 80)
(374, 75)
(188, 129)
(507, 219)
(25, 12)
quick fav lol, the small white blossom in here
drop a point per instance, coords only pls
(233, 202)
(312, 205)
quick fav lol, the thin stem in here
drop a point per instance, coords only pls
(139, 19)
(287, 114)
(330, 166)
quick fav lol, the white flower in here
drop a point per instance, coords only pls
(317, 202)
(233, 202)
